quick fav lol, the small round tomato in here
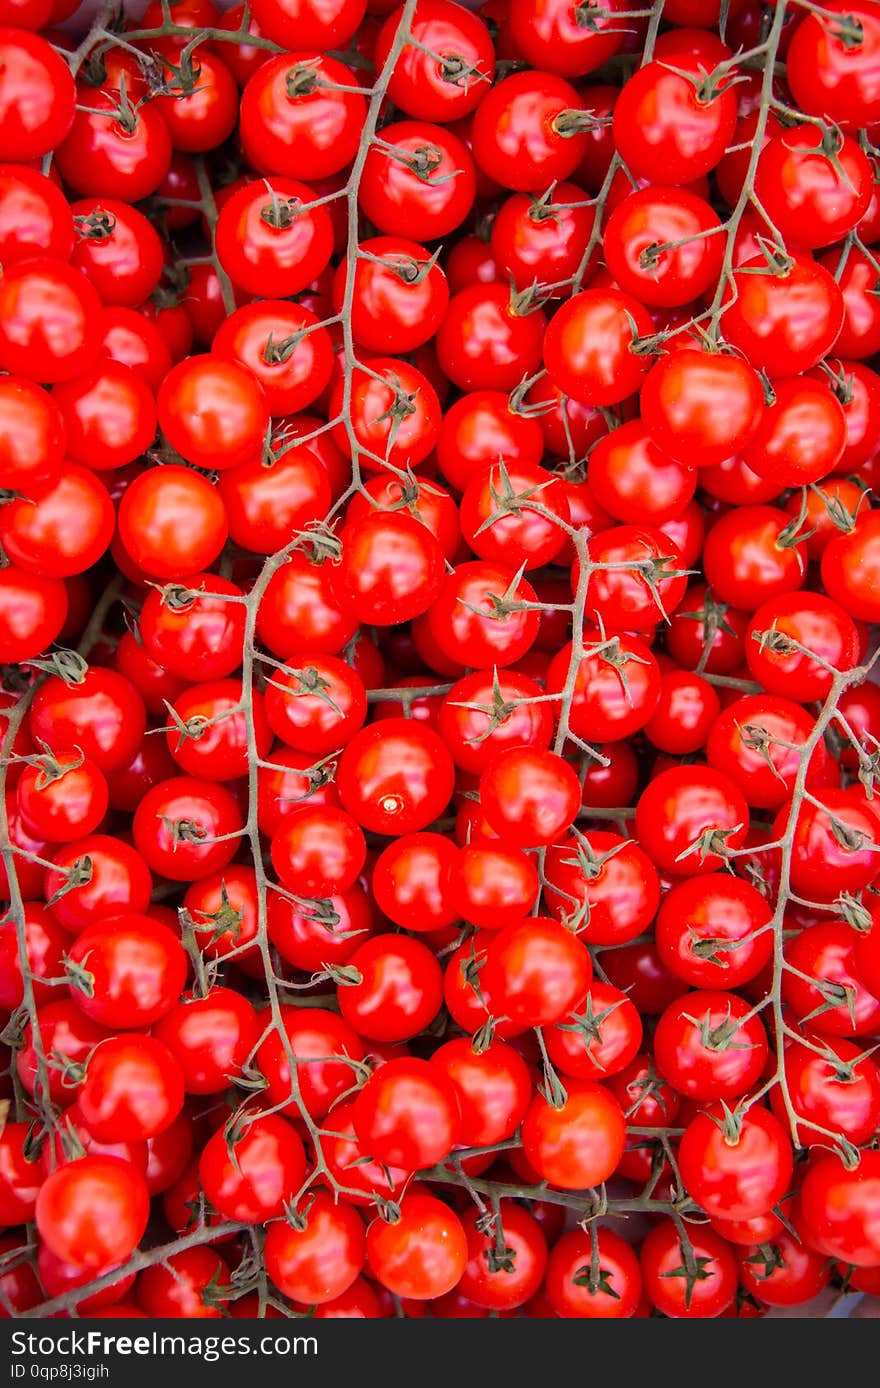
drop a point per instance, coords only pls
(577, 1142)
(589, 1280)
(407, 1115)
(49, 314)
(529, 796)
(492, 885)
(616, 690)
(67, 1035)
(399, 297)
(709, 1045)
(318, 850)
(851, 566)
(132, 1090)
(502, 1281)
(786, 321)
(599, 1037)
(413, 884)
(536, 971)
(692, 1277)
(93, 1212)
(129, 971)
(529, 131)
(756, 741)
(317, 1257)
(115, 148)
(391, 418)
(712, 931)
(195, 630)
(95, 877)
(783, 1270)
(736, 1167)
(100, 714)
(479, 428)
(186, 828)
(833, 1090)
(395, 991)
(172, 522)
(37, 96)
(32, 435)
(589, 346)
(664, 246)
(326, 1055)
(635, 579)
(297, 611)
(634, 481)
(213, 412)
(603, 885)
(499, 524)
(21, 1174)
(488, 339)
(493, 1088)
(269, 240)
(395, 777)
(488, 712)
(62, 798)
(109, 416)
(833, 845)
(839, 1208)
(182, 1286)
(250, 1169)
(211, 1038)
(423, 1253)
(833, 72)
(298, 119)
(464, 621)
(543, 241)
(689, 817)
(837, 1003)
(390, 570)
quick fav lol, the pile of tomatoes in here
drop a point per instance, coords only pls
(439, 560)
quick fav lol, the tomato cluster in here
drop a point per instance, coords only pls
(437, 460)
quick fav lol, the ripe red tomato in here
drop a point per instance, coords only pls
(295, 121)
(93, 1212)
(422, 1254)
(604, 885)
(319, 1257)
(588, 346)
(445, 69)
(736, 1168)
(211, 1037)
(711, 931)
(709, 1046)
(251, 1168)
(407, 1115)
(172, 522)
(693, 1279)
(536, 970)
(673, 122)
(37, 96)
(838, 1208)
(688, 818)
(179, 1287)
(577, 1143)
(502, 1281)
(395, 777)
(587, 1285)
(115, 148)
(395, 988)
(133, 1089)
